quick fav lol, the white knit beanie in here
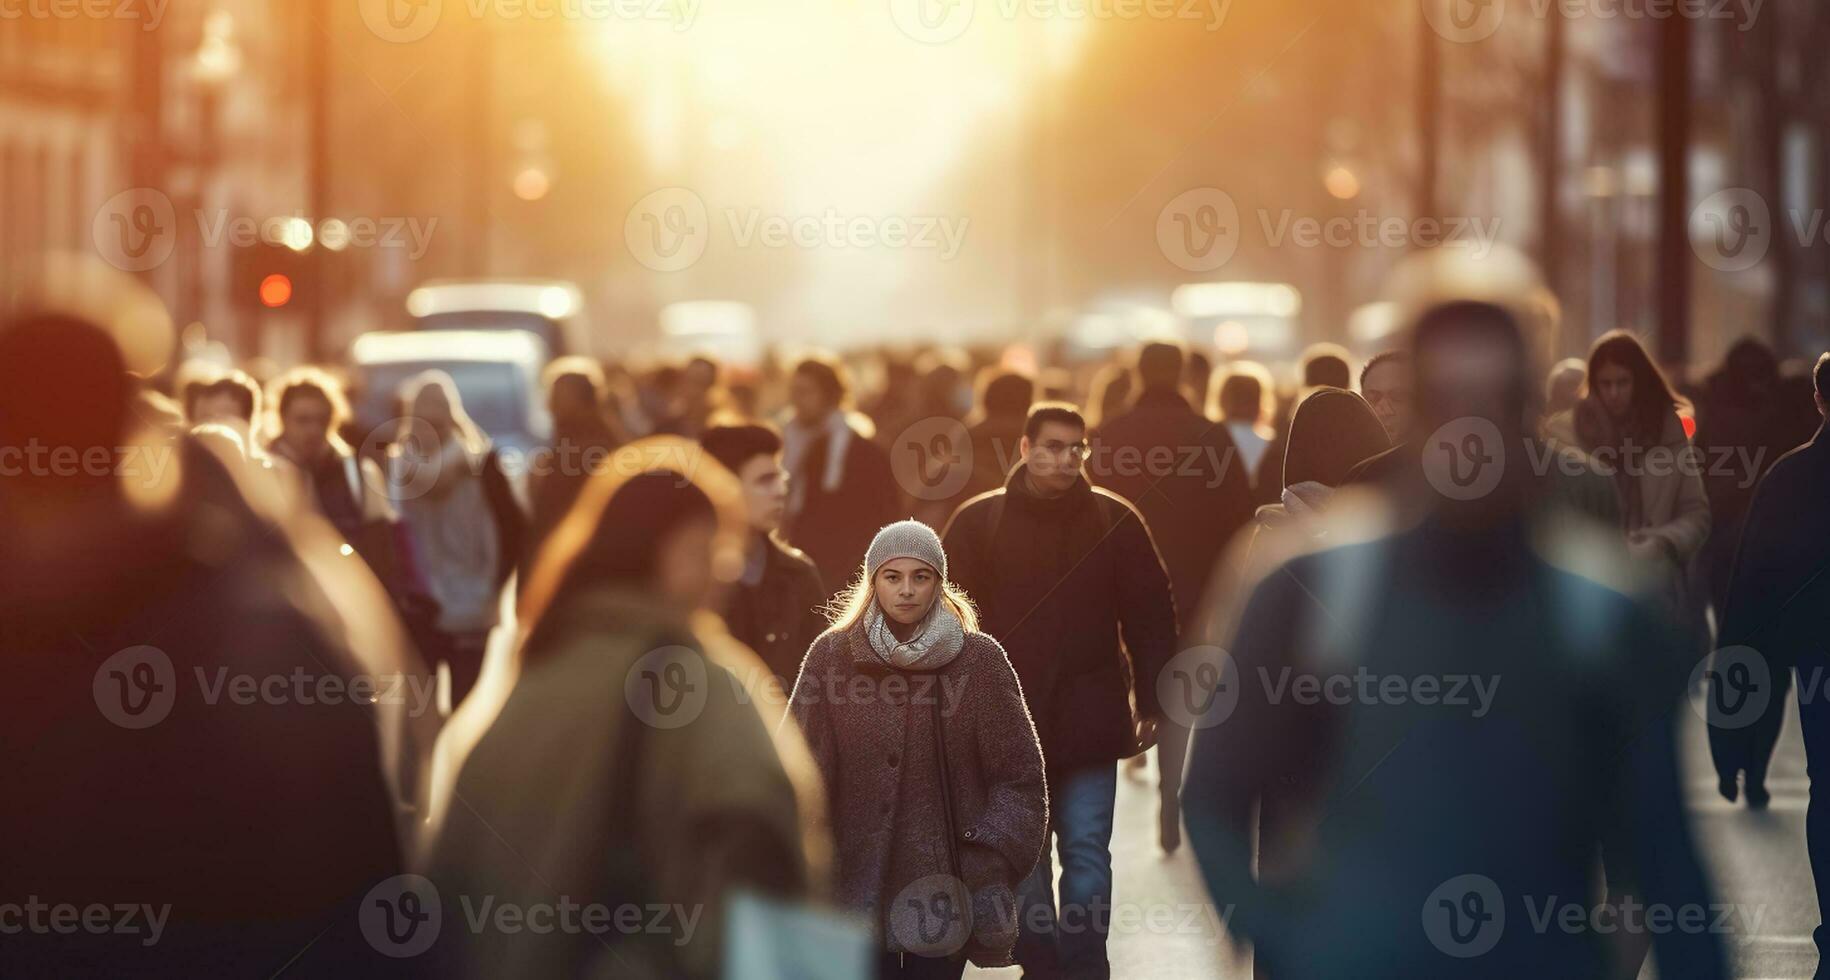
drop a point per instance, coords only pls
(905, 539)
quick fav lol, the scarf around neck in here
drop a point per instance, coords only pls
(934, 645)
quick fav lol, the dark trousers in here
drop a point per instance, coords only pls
(1814, 723)
(908, 966)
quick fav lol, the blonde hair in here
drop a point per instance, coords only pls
(844, 610)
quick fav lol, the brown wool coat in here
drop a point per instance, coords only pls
(870, 728)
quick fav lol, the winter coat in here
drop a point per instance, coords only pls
(1075, 589)
(834, 527)
(604, 782)
(1668, 523)
(1181, 470)
(871, 730)
(779, 616)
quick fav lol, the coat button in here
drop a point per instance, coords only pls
(770, 637)
(972, 833)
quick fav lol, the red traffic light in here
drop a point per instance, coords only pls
(276, 291)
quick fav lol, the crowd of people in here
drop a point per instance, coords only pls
(842, 676)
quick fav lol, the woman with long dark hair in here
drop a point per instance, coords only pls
(1627, 420)
(931, 762)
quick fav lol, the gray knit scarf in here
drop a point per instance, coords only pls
(934, 645)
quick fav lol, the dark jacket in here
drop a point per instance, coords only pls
(779, 616)
(1785, 548)
(871, 730)
(1423, 801)
(558, 472)
(1075, 590)
(1564, 478)
(835, 527)
(604, 782)
(257, 822)
(1181, 470)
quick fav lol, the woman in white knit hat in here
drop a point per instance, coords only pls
(931, 763)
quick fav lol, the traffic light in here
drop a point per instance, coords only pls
(268, 276)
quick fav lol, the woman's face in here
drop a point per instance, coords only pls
(905, 588)
(1613, 384)
(683, 570)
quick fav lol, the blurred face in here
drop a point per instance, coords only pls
(571, 399)
(905, 588)
(1055, 455)
(305, 426)
(683, 570)
(434, 409)
(220, 407)
(1613, 384)
(1387, 388)
(765, 491)
(808, 400)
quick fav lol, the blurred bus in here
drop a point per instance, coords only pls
(553, 310)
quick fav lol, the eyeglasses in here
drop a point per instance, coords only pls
(1077, 450)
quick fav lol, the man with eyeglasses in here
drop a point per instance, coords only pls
(1385, 383)
(1067, 578)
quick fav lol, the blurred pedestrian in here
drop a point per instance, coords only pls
(1458, 813)
(1775, 605)
(934, 770)
(1325, 365)
(698, 398)
(628, 765)
(996, 427)
(1068, 578)
(583, 438)
(1564, 386)
(1740, 430)
(232, 399)
(1331, 432)
(775, 606)
(1245, 402)
(840, 488)
(241, 833)
(1110, 393)
(466, 528)
(1183, 474)
(1385, 383)
(1627, 421)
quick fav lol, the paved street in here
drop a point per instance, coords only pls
(1757, 862)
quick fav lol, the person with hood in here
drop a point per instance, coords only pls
(621, 760)
(463, 521)
(1456, 816)
(774, 607)
(137, 597)
(919, 726)
(841, 488)
(1182, 472)
(1627, 421)
(1331, 432)
(1068, 577)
